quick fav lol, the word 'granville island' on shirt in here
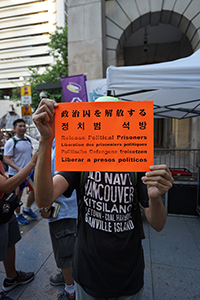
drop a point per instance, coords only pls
(109, 205)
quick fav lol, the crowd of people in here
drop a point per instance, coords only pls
(95, 262)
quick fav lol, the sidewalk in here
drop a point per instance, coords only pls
(172, 259)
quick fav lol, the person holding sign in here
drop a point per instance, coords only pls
(108, 257)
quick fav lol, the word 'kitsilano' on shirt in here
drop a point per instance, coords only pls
(109, 199)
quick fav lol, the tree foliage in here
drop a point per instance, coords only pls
(59, 50)
(1, 94)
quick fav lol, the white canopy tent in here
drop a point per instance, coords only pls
(173, 86)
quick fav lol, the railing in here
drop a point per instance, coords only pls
(179, 159)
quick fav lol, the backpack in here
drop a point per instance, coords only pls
(16, 141)
(8, 204)
(136, 205)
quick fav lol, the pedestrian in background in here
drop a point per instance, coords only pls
(8, 135)
(17, 154)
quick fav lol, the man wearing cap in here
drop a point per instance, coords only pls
(108, 261)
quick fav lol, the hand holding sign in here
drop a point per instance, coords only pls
(158, 180)
(44, 118)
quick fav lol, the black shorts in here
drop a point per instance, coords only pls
(63, 240)
(9, 236)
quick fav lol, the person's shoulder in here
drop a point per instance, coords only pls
(9, 143)
(68, 173)
(70, 176)
(9, 148)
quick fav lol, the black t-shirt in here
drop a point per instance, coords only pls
(108, 257)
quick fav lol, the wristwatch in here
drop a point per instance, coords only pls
(50, 209)
(47, 209)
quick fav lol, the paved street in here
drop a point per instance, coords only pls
(172, 260)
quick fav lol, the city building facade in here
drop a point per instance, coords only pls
(134, 32)
(102, 33)
(24, 28)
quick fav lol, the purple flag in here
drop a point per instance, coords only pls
(74, 88)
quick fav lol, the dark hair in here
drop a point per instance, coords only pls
(18, 121)
(9, 133)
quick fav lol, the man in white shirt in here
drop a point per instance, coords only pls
(17, 154)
